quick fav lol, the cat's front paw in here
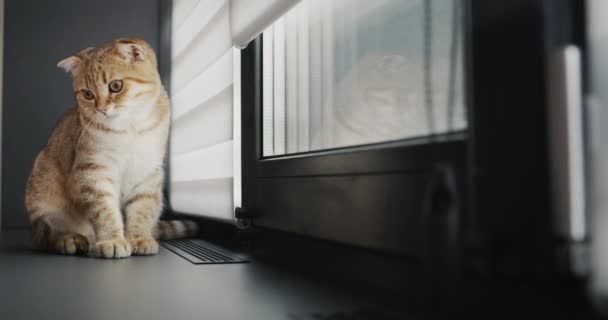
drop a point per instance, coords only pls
(113, 249)
(144, 246)
(70, 244)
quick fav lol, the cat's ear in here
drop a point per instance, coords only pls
(131, 51)
(70, 64)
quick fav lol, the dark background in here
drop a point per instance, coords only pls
(38, 34)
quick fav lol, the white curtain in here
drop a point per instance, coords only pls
(205, 93)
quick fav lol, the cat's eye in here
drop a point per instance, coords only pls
(115, 86)
(88, 94)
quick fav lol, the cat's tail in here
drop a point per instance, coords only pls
(175, 229)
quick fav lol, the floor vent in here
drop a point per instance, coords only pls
(202, 252)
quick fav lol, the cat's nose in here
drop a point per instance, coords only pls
(102, 110)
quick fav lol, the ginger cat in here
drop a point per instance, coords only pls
(96, 187)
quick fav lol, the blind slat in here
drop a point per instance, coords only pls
(303, 54)
(316, 80)
(206, 48)
(279, 87)
(210, 198)
(291, 79)
(328, 67)
(215, 79)
(267, 102)
(181, 10)
(208, 124)
(197, 20)
(214, 162)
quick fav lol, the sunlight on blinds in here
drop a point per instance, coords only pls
(205, 155)
(202, 146)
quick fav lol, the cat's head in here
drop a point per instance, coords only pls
(116, 80)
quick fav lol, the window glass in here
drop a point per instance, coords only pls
(350, 72)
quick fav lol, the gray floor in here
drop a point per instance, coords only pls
(35, 285)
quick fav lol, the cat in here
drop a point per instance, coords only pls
(96, 187)
(382, 98)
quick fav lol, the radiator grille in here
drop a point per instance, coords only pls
(202, 252)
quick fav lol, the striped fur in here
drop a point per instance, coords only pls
(96, 187)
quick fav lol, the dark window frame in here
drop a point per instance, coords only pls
(503, 213)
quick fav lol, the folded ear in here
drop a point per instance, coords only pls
(71, 64)
(131, 51)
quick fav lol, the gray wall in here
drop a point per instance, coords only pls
(37, 35)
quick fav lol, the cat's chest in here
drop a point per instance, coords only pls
(143, 155)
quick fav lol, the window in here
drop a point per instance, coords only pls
(353, 113)
(351, 72)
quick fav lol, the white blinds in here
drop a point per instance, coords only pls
(202, 85)
(250, 17)
(205, 92)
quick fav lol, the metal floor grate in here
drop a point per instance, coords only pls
(202, 252)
